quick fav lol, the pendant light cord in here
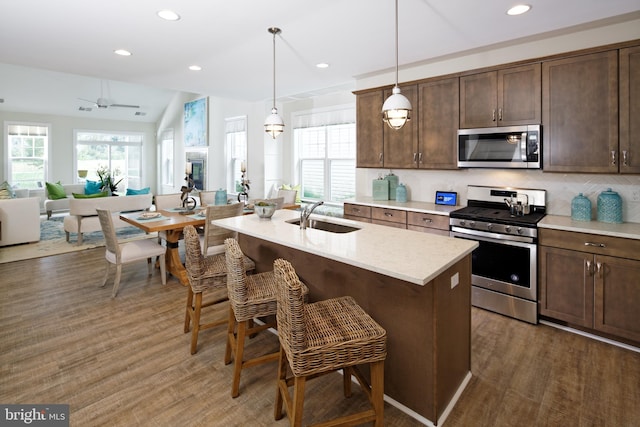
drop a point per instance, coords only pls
(275, 31)
(396, 43)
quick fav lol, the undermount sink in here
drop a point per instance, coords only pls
(325, 226)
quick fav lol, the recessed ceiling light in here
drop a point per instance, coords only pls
(322, 65)
(519, 9)
(122, 52)
(195, 68)
(168, 15)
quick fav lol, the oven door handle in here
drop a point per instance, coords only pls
(523, 242)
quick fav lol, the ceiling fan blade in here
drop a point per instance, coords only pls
(88, 100)
(124, 106)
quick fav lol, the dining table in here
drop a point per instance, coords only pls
(171, 222)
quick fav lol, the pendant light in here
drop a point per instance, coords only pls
(274, 125)
(396, 110)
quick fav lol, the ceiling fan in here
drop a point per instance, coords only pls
(104, 103)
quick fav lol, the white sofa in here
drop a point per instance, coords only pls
(83, 217)
(19, 220)
(51, 205)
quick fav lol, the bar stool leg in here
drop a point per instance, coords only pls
(377, 391)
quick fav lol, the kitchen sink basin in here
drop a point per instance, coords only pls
(325, 226)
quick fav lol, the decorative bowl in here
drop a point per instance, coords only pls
(264, 209)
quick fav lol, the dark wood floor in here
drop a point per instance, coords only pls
(126, 361)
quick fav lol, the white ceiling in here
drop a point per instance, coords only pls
(54, 52)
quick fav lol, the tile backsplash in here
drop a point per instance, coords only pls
(561, 187)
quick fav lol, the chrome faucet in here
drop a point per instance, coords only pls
(304, 214)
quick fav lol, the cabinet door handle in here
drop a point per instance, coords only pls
(355, 209)
(589, 267)
(380, 158)
(427, 220)
(500, 114)
(419, 157)
(599, 269)
(388, 214)
(625, 158)
(613, 158)
(493, 115)
(597, 245)
(415, 157)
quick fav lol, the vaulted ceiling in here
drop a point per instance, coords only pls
(54, 52)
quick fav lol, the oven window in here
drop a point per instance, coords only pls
(510, 264)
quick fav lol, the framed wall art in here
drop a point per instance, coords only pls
(196, 123)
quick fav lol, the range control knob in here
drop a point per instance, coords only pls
(462, 222)
(489, 226)
(519, 230)
(472, 224)
(507, 229)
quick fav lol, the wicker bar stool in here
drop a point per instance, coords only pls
(323, 337)
(250, 297)
(205, 273)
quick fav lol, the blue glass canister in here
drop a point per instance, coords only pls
(393, 184)
(609, 207)
(401, 193)
(221, 197)
(581, 208)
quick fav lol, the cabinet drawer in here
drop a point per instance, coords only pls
(357, 210)
(356, 218)
(391, 215)
(420, 219)
(592, 243)
(389, 223)
(429, 230)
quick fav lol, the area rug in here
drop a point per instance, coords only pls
(53, 241)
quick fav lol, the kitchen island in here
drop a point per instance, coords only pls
(416, 285)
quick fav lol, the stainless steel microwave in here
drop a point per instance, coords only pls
(509, 147)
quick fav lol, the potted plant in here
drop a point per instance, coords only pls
(107, 180)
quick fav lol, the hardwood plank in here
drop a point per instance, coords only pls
(126, 361)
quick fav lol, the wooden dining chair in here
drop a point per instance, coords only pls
(205, 274)
(207, 198)
(125, 253)
(322, 337)
(212, 240)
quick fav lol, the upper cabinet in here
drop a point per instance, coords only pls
(438, 124)
(580, 113)
(630, 110)
(506, 97)
(400, 145)
(369, 132)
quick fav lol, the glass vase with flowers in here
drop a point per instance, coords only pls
(107, 179)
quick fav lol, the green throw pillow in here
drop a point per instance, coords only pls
(90, 196)
(132, 192)
(6, 192)
(56, 191)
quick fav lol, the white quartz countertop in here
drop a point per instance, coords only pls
(628, 230)
(424, 207)
(412, 256)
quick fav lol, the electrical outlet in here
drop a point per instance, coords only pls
(635, 195)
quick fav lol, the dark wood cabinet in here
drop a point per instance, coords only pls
(428, 223)
(591, 281)
(369, 131)
(580, 113)
(630, 110)
(400, 149)
(438, 122)
(506, 97)
(357, 212)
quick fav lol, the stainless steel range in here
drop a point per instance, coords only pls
(503, 220)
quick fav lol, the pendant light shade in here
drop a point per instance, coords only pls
(396, 110)
(274, 125)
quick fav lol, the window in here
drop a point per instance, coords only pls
(27, 145)
(166, 158)
(120, 152)
(326, 147)
(235, 130)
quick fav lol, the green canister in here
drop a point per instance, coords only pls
(393, 184)
(610, 207)
(401, 193)
(581, 208)
(380, 189)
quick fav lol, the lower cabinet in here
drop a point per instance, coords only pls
(389, 217)
(428, 223)
(591, 281)
(357, 212)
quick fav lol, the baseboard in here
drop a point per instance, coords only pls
(592, 336)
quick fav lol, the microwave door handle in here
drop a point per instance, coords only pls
(523, 147)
